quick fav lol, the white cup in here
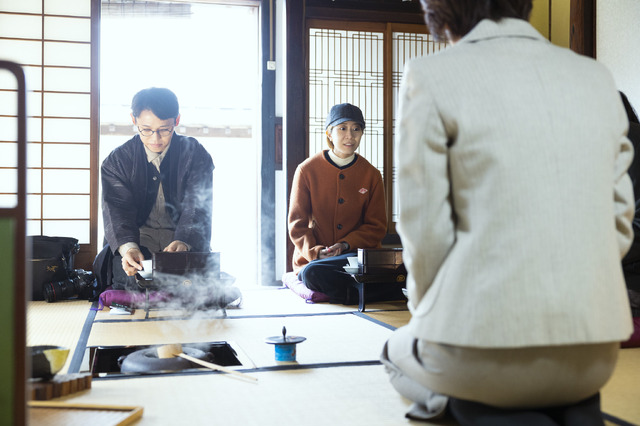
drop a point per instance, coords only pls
(353, 261)
(147, 269)
(147, 265)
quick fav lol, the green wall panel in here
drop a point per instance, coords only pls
(7, 319)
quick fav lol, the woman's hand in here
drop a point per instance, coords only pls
(334, 250)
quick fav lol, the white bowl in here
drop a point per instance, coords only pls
(351, 269)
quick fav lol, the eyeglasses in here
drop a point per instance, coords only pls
(161, 132)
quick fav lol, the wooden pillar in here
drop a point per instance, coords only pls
(582, 38)
(295, 117)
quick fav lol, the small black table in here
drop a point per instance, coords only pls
(361, 280)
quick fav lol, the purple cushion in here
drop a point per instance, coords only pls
(634, 340)
(290, 279)
(130, 298)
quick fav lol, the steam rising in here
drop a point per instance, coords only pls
(204, 291)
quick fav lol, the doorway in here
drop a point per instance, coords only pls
(208, 54)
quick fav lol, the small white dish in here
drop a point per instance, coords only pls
(351, 269)
(118, 311)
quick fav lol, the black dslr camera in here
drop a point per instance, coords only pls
(78, 285)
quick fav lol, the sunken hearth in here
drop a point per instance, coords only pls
(114, 361)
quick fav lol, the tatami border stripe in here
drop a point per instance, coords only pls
(182, 318)
(373, 320)
(287, 367)
(617, 421)
(81, 346)
(185, 318)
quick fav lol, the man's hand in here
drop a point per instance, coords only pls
(334, 250)
(132, 261)
(176, 246)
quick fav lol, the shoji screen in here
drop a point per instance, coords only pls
(362, 63)
(347, 66)
(405, 46)
(56, 43)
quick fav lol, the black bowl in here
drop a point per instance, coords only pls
(47, 360)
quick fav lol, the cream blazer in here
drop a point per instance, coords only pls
(515, 206)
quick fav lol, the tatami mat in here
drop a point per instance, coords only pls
(621, 395)
(260, 302)
(330, 339)
(336, 384)
(395, 319)
(283, 300)
(140, 314)
(58, 324)
(354, 396)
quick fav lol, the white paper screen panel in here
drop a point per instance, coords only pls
(51, 39)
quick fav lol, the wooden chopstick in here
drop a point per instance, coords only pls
(216, 367)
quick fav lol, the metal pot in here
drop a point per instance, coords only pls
(147, 361)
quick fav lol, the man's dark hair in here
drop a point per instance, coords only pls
(631, 112)
(462, 15)
(162, 102)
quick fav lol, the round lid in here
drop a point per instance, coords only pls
(284, 339)
(289, 340)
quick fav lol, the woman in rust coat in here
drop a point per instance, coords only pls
(337, 205)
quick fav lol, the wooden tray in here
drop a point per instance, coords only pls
(51, 413)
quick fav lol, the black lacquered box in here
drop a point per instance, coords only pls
(381, 261)
(186, 262)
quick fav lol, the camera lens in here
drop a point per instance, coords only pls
(76, 285)
(59, 290)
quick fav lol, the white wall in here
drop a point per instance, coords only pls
(618, 44)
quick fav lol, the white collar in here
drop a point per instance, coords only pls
(340, 162)
(156, 155)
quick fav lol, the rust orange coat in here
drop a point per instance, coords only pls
(329, 204)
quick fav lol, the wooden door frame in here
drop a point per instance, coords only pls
(295, 132)
(582, 27)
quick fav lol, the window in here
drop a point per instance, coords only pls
(52, 40)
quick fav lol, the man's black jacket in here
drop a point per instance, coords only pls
(130, 187)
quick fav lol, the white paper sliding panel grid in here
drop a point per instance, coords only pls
(52, 40)
(347, 66)
(359, 66)
(407, 45)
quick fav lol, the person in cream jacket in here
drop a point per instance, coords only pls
(515, 209)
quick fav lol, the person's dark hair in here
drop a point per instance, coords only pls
(162, 102)
(631, 112)
(462, 15)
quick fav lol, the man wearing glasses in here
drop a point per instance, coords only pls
(156, 192)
